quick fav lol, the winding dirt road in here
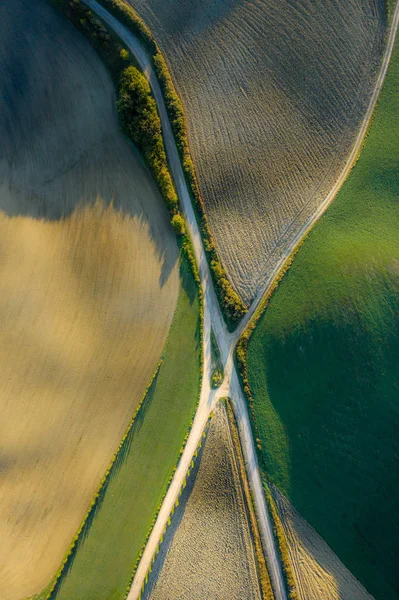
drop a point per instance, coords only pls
(213, 320)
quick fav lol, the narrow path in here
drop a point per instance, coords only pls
(340, 181)
(213, 319)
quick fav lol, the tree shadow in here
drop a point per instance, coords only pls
(60, 144)
(176, 519)
(120, 460)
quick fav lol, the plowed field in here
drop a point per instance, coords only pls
(319, 573)
(87, 289)
(208, 551)
(274, 91)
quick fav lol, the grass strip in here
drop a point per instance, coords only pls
(106, 550)
(263, 574)
(232, 305)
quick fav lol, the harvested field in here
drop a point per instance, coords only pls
(323, 365)
(208, 552)
(274, 91)
(103, 561)
(319, 573)
(88, 289)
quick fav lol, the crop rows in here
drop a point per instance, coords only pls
(274, 91)
(87, 289)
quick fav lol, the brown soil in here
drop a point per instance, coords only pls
(274, 93)
(87, 288)
(208, 551)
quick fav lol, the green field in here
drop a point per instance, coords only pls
(109, 546)
(323, 365)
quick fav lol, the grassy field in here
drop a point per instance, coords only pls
(102, 565)
(323, 366)
(273, 92)
(87, 289)
(208, 551)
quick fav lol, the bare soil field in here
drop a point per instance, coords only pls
(208, 552)
(274, 92)
(88, 287)
(319, 573)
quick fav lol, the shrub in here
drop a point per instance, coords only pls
(232, 305)
(178, 224)
(140, 120)
(124, 54)
(217, 378)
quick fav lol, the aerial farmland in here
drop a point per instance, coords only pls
(199, 294)
(274, 91)
(209, 551)
(322, 365)
(88, 286)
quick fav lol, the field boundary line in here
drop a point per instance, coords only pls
(190, 470)
(212, 319)
(52, 587)
(257, 309)
(350, 164)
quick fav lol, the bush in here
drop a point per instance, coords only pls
(232, 305)
(178, 224)
(217, 378)
(124, 54)
(140, 120)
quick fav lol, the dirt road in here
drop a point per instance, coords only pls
(213, 320)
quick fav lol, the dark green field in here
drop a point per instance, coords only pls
(109, 546)
(323, 365)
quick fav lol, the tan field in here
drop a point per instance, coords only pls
(319, 573)
(88, 287)
(208, 551)
(274, 92)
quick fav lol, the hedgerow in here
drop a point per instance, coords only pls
(231, 303)
(140, 120)
(282, 545)
(264, 578)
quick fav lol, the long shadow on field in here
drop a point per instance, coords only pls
(60, 144)
(120, 460)
(190, 288)
(173, 527)
(334, 387)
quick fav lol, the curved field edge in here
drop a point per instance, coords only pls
(253, 181)
(319, 574)
(126, 505)
(89, 284)
(222, 418)
(142, 126)
(232, 305)
(136, 107)
(355, 238)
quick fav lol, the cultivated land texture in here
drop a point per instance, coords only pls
(87, 290)
(274, 91)
(102, 566)
(318, 572)
(208, 551)
(323, 365)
